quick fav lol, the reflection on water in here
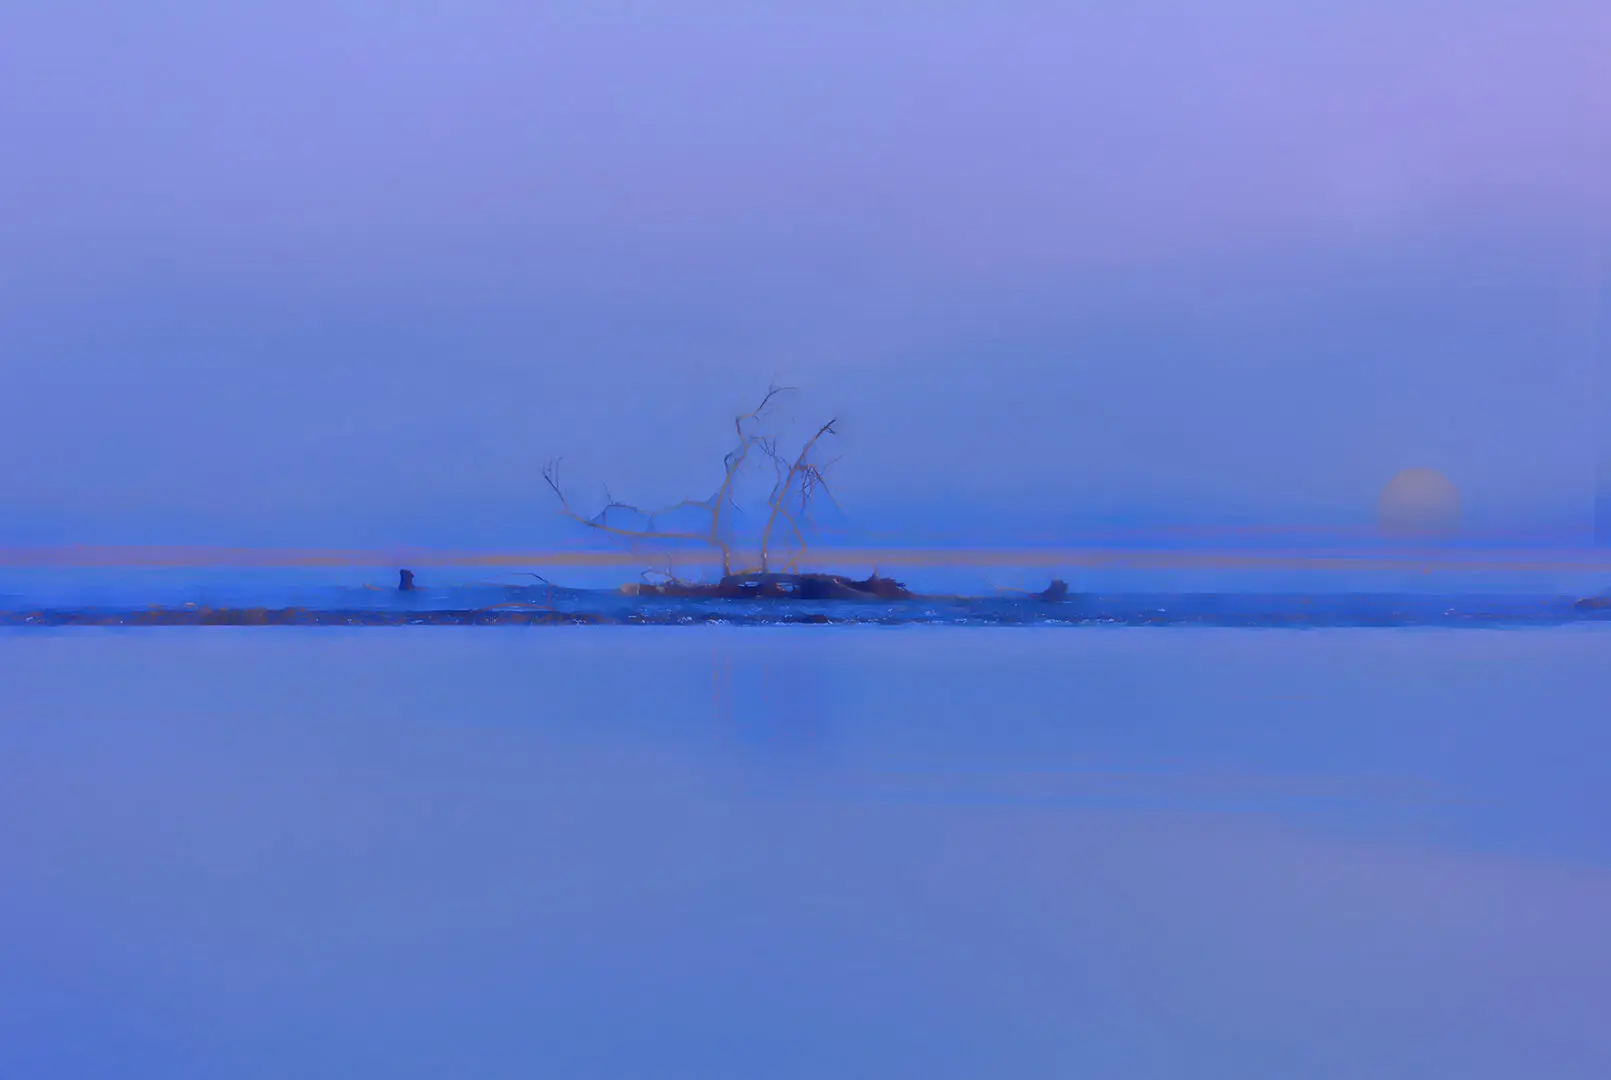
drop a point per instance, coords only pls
(801, 853)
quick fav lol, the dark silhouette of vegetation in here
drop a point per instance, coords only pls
(785, 586)
(1057, 590)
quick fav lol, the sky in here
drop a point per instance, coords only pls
(349, 273)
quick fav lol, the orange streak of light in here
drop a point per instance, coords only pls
(1335, 559)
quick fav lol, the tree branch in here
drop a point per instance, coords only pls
(781, 491)
(802, 479)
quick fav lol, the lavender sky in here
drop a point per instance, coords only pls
(349, 272)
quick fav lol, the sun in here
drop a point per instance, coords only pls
(1419, 503)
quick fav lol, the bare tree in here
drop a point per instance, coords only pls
(797, 483)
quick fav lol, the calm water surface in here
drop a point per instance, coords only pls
(805, 852)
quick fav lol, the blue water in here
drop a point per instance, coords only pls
(804, 852)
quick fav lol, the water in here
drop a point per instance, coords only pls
(804, 852)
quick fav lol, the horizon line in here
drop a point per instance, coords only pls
(1425, 557)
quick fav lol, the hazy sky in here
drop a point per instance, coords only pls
(350, 272)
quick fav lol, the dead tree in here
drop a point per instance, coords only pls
(797, 483)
